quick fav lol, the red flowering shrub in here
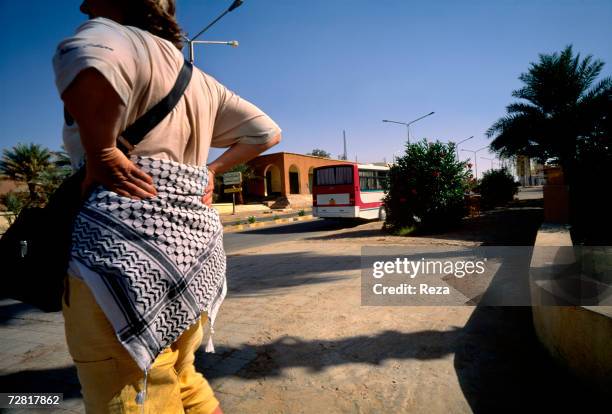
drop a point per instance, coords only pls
(427, 188)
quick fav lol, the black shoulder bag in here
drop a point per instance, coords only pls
(35, 250)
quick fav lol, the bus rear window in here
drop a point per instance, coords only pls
(334, 176)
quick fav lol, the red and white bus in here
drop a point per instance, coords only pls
(349, 190)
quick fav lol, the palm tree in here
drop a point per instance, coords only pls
(61, 159)
(26, 163)
(562, 109)
(50, 179)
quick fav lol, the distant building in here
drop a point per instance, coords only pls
(529, 171)
(8, 185)
(287, 175)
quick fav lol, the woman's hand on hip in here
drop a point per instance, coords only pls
(98, 110)
(207, 198)
(112, 169)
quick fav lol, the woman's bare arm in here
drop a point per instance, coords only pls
(240, 153)
(236, 154)
(98, 111)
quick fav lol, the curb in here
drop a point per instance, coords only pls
(237, 227)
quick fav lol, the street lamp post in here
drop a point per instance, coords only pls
(475, 158)
(193, 41)
(409, 123)
(232, 43)
(461, 142)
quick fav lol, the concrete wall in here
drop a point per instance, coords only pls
(578, 337)
(556, 196)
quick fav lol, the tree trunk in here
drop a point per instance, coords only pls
(32, 190)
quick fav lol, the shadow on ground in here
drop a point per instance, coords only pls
(10, 309)
(500, 364)
(514, 225)
(497, 227)
(307, 226)
(502, 367)
(57, 380)
(269, 360)
(375, 232)
(286, 271)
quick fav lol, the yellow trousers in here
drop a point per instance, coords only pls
(109, 377)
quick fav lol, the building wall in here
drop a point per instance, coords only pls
(286, 162)
(7, 186)
(260, 166)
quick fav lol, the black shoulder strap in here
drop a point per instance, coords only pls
(143, 125)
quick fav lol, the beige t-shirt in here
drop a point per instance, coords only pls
(142, 68)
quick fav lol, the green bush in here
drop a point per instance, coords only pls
(251, 219)
(496, 188)
(301, 213)
(15, 201)
(49, 180)
(427, 188)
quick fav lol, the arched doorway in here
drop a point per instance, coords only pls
(272, 182)
(294, 180)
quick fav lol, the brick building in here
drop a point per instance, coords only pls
(287, 175)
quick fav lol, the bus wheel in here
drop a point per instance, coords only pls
(382, 214)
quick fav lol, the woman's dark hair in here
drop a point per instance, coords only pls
(155, 16)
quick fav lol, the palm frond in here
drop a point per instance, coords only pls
(524, 108)
(560, 104)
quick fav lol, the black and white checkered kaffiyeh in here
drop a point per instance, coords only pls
(153, 265)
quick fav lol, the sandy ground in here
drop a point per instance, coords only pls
(299, 341)
(292, 337)
(318, 350)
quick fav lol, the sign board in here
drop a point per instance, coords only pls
(232, 178)
(232, 190)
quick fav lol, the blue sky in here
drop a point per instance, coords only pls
(320, 66)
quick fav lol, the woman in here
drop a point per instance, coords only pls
(147, 258)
